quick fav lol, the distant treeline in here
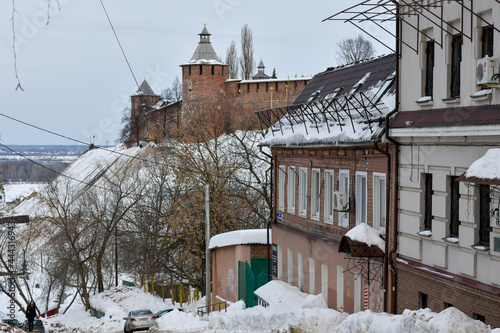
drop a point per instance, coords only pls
(25, 171)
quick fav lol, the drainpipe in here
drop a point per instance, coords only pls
(271, 212)
(393, 250)
(387, 230)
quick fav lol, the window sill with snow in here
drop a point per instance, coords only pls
(425, 233)
(425, 101)
(452, 240)
(480, 247)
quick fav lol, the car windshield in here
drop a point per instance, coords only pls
(141, 313)
(37, 323)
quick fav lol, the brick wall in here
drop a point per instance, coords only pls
(412, 282)
(202, 83)
(259, 251)
(333, 158)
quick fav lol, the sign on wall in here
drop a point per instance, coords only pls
(275, 260)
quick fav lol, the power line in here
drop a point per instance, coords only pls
(52, 170)
(43, 129)
(87, 144)
(121, 48)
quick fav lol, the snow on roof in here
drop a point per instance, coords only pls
(366, 234)
(347, 105)
(204, 61)
(357, 131)
(239, 237)
(274, 80)
(487, 166)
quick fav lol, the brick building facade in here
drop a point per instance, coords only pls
(328, 144)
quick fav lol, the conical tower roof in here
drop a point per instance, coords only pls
(260, 74)
(145, 89)
(204, 53)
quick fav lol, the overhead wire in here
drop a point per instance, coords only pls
(82, 142)
(50, 169)
(136, 157)
(119, 44)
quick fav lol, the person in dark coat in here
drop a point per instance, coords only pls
(31, 314)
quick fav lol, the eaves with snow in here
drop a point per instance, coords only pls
(485, 170)
(240, 237)
(342, 105)
(362, 241)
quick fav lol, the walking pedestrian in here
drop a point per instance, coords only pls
(30, 314)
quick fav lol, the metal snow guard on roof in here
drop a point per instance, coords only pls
(347, 95)
(380, 12)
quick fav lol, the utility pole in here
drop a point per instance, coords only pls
(207, 250)
(116, 255)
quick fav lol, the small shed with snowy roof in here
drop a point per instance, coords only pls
(239, 264)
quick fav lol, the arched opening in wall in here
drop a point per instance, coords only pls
(213, 69)
(189, 70)
(201, 69)
(276, 88)
(257, 87)
(267, 86)
(248, 87)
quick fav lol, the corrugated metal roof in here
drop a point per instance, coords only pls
(341, 105)
(448, 117)
(347, 76)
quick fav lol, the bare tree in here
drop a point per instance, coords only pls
(232, 60)
(174, 93)
(246, 59)
(354, 49)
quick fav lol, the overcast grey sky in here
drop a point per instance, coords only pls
(77, 82)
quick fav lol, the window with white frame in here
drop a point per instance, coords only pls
(361, 197)
(291, 189)
(315, 193)
(379, 202)
(281, 188)
(303, 191)
(344, 188)
(329, 189)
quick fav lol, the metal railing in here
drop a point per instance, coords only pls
(202, 310)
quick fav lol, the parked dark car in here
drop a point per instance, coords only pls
(12, 322)
(138, 320)
(165, 311)
(37, 326)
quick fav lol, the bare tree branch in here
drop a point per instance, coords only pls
(351, 50)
